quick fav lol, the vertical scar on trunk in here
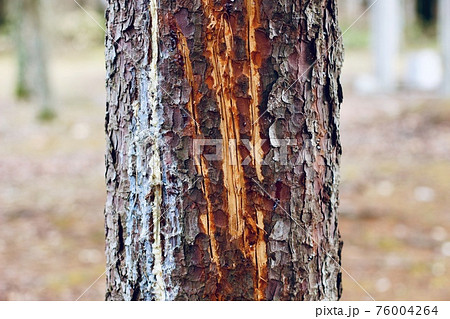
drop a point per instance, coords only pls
(255, 82)
(245, 222)
(155, 160)
(219, 46)
(206, 220)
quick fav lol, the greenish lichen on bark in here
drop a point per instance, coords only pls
(249, 74)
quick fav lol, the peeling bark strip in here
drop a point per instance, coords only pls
(180, 227)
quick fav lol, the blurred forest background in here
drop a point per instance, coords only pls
(395, 127)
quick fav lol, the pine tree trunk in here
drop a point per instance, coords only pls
(187, 80)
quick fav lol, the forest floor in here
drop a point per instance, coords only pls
(394, 213)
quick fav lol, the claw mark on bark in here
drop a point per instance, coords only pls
(244, 223)
(219, 54)
(255, 82)
(206, 220)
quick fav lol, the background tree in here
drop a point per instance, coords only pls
(444, 37)
(250, 74)
(32, 71)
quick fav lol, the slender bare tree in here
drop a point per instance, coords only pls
(32, 81)
(223, 150)
(32, 71)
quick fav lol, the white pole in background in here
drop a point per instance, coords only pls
(444, 37)
(386, 35)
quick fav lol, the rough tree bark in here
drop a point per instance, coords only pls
(182, 227)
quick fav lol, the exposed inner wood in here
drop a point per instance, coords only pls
(242, 217)
(254, 56)
(206, 220)
(219, 48)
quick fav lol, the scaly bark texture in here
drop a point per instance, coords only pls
(181, 227)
